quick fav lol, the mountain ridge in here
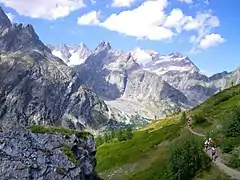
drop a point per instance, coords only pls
(110, 71)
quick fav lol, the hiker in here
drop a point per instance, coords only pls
(206, 144)
(211, 142)
(214, 156)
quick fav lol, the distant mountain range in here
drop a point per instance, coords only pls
(95, 89)
(144, 82)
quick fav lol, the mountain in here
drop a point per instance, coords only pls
(71, 55)
(225, 80)
(162, 64)
(121, 81)
(179, 71)
(37, 87)
(39, 95)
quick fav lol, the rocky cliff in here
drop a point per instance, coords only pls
(25, 155)
(37, 87)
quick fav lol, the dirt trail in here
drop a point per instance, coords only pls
(234, 174)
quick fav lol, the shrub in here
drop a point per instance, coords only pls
(227, 145)
(186, 158)
(119, 135)
(233, 125)
(235, 160)
(199, 119)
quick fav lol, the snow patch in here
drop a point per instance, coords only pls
(75, 59)
(142, 57)
(57, 54)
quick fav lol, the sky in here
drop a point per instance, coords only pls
(207, 31)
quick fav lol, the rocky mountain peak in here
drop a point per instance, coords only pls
(218, 75)
(81, 48)
(21, 37)
(176, 54)
(103, 46)
(4, 21)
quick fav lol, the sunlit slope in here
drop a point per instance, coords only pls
(217, 109)
(145, 155)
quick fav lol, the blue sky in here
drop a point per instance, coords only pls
(205, 30)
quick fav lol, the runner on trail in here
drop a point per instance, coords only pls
(211, 142)
(214, 153)
(206, 144)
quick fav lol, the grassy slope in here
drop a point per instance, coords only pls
(144, 156)
(217, 111)
(217, 108)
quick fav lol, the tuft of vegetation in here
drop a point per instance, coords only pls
(55, 129)
(61, 170)
(68, 152)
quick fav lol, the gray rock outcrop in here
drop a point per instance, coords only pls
(25, 155)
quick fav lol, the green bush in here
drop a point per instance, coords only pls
(199, 119)
(233, 125)
(186, 158)
(227, 145)
(235, 160)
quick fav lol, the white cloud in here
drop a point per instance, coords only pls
(10, 16)
(202, 21)
(142, 22)
(90, 18)
(150, 21)
(122, 3)
(211, 40)
(203, 24)
(176, 20)
(186, 1)
(46, 9)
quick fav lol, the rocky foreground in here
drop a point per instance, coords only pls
(25, 155)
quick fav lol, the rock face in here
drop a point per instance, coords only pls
(125, 86)
(37, 87)
(110, 71)
(25, 155)
(147, 83)
(225, 80)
